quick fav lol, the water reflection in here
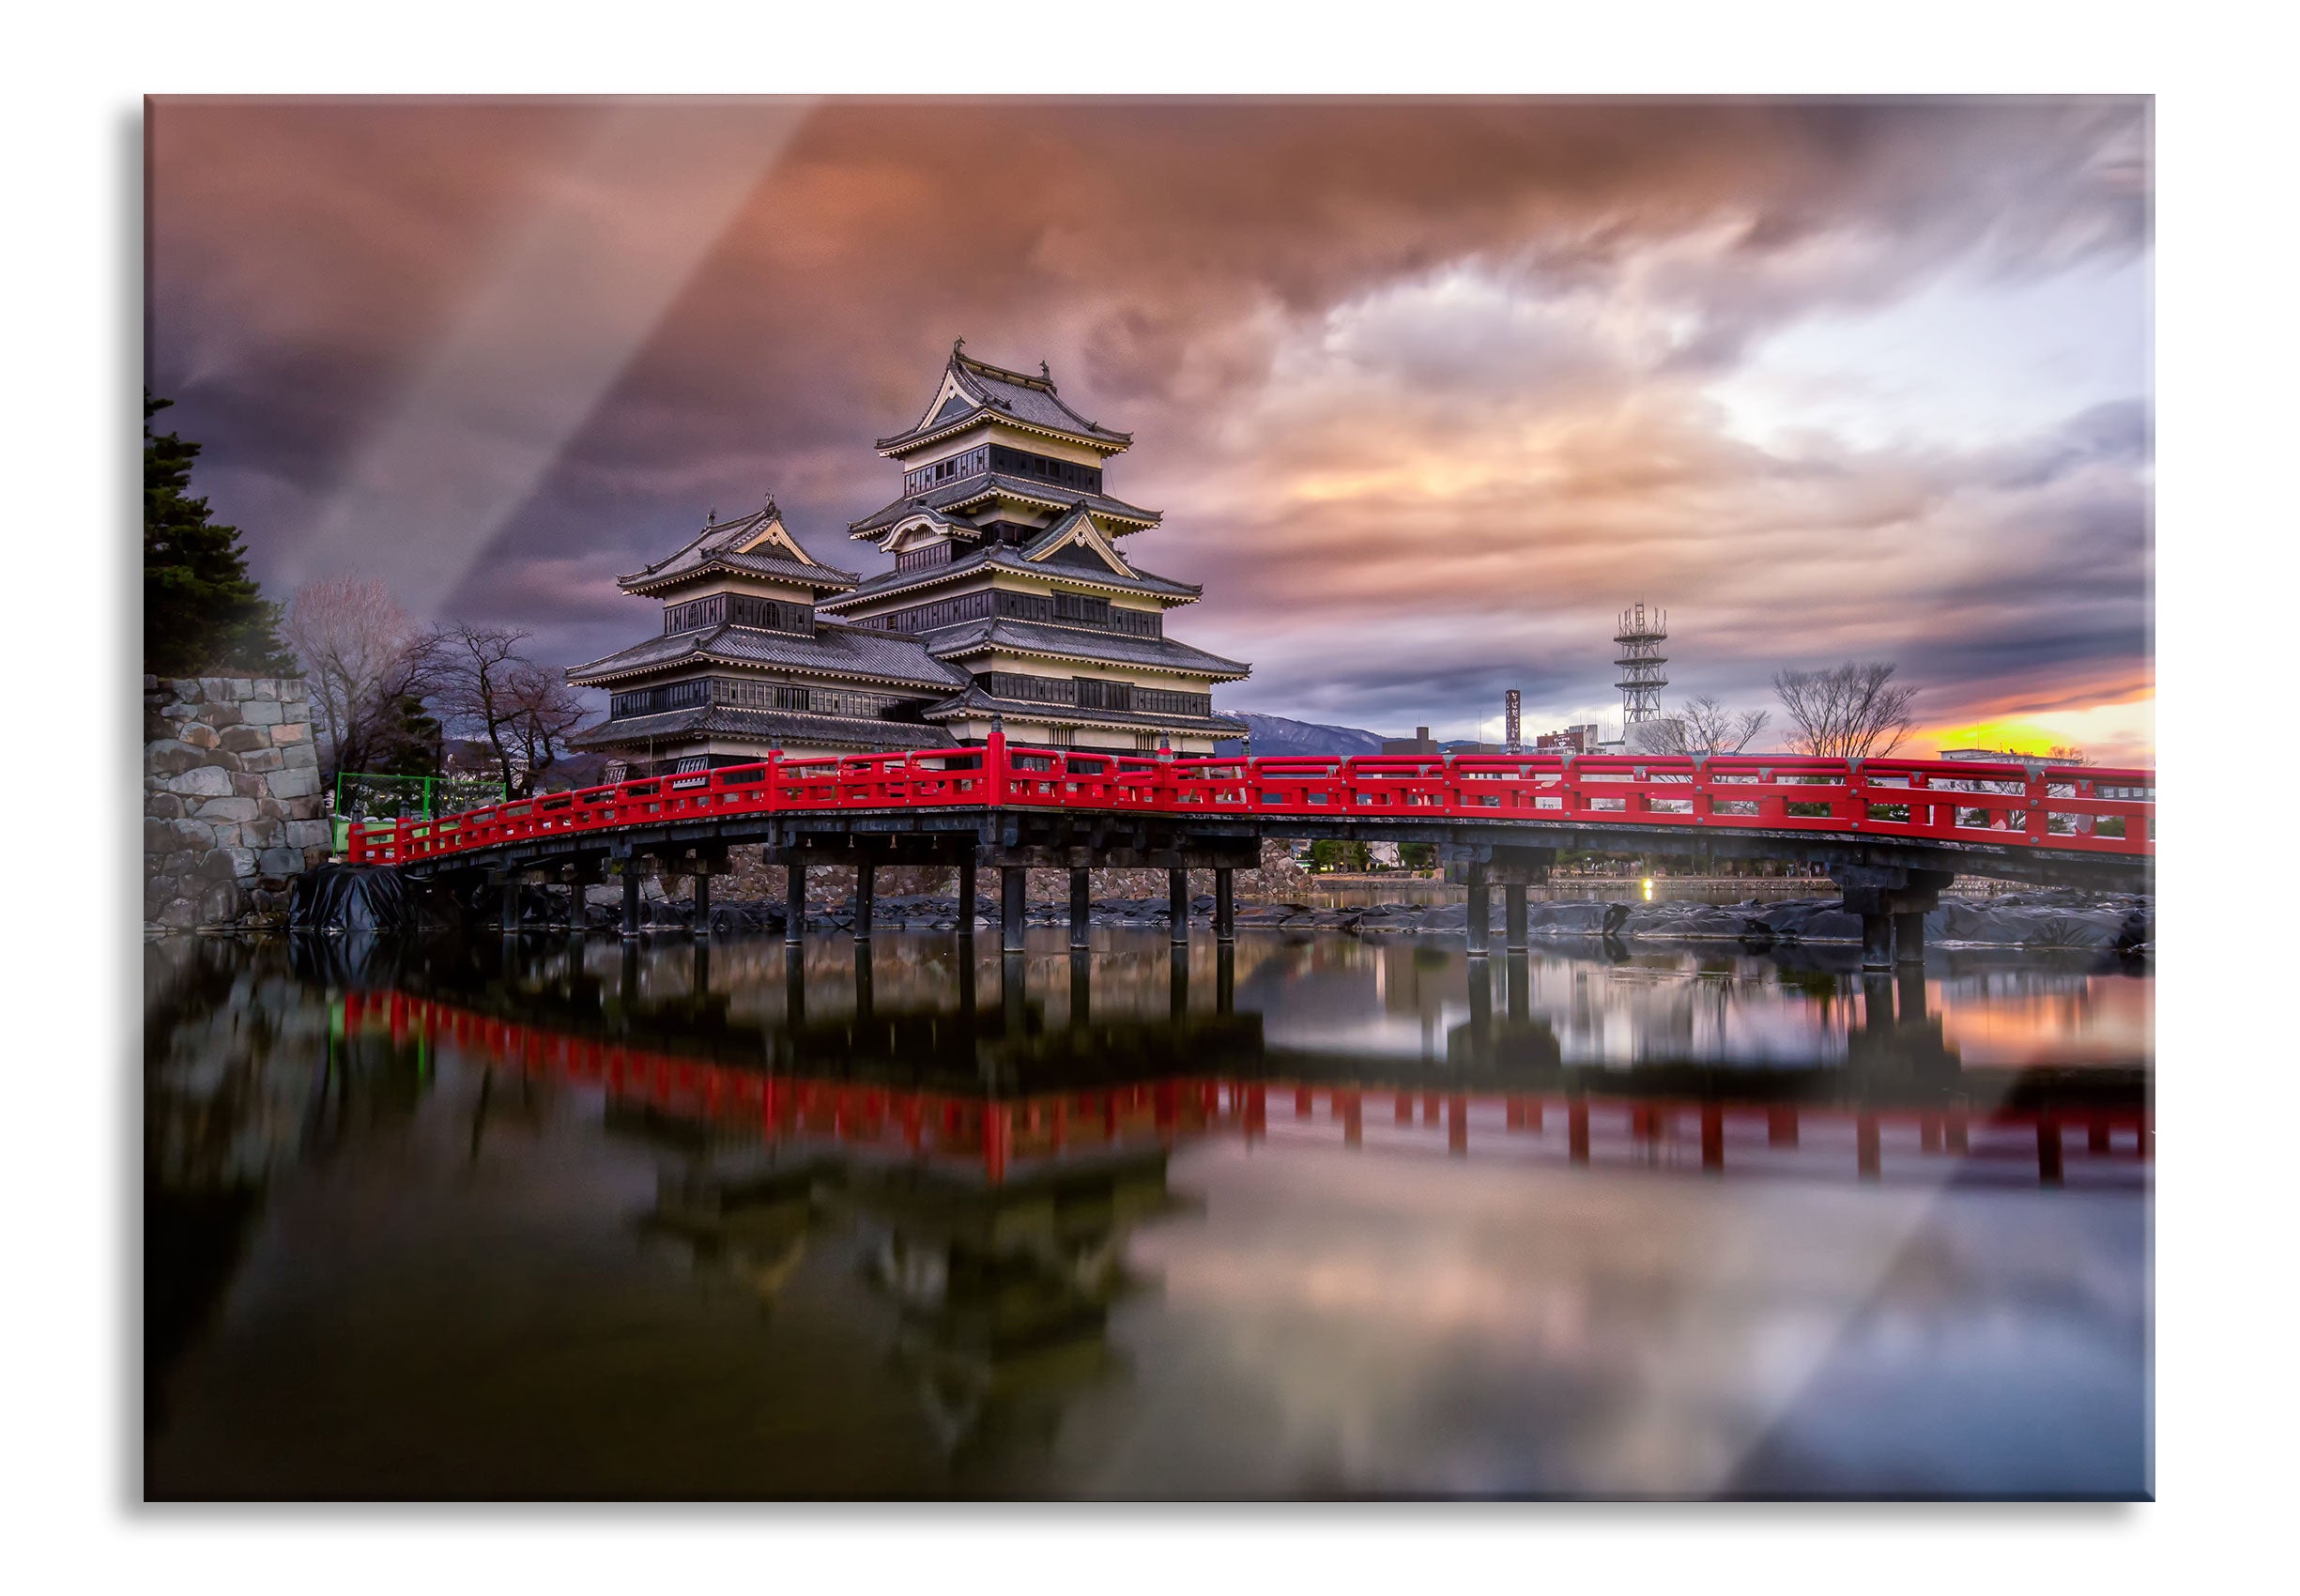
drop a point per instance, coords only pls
(920, 1219)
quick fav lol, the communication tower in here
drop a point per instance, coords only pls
(1641, 634)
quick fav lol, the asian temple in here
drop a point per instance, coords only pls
(1010, 602)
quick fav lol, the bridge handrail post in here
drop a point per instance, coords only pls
(994, 763)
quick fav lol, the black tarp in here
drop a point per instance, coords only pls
(362, 897)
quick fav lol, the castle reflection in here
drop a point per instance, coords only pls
(952, 1173)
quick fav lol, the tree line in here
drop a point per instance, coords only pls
(1853, 711)
(387, 692)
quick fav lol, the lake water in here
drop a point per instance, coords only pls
(1319, 1217)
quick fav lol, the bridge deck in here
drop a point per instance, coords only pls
(1778, 804)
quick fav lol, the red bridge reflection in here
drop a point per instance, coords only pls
(997, 1136)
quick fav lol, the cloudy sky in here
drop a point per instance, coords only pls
(1428, 390)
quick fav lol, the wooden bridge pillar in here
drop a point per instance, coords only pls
(1225, 978)
(631, 897)
(1481, 908)
(1225, 906)
(1178, 906)
(1082, 906)
(966, 895)
(702, 905)
(1513, 916)
(1884, 894)
(1013, 905)
(866, 896)
(795, 903)
(511, 906)
(1908, 937)
(1877, 941)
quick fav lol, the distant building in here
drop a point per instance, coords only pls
(1572, 740)
(1009, 601)
(1419, 743)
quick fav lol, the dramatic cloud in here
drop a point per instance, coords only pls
(1429, 391)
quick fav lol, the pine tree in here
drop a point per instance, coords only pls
(202, 614)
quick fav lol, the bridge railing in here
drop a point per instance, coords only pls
(2079, 807)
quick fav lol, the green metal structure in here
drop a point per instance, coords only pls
(368, 796)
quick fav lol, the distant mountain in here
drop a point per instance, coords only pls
(1276, 734)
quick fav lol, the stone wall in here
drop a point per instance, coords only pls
(231, 801)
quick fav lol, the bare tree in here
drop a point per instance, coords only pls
(1852, 712)
(368, 666)
(2067, 754)
(1703, 727)
(492, 692)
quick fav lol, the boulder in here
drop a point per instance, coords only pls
(205, 781)
(219, 904)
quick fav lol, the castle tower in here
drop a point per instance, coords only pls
(1007, 568)
(1009, 600)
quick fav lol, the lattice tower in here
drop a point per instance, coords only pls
(1639, 637)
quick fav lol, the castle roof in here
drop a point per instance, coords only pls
(1004, 634)
(971, 390)
(970, 491)
(836, 648)
(756, 545)
(1005, 557)
(809, 731)
(977, 700)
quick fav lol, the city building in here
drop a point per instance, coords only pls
(1572, 740)
(1009, 603)
(1419, 743)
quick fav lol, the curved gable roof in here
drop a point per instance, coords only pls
(758, 542)
(972, 388)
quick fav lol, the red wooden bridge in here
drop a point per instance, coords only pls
(1891, 831)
